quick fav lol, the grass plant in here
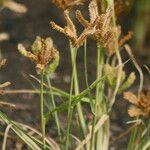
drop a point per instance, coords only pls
(97, 99)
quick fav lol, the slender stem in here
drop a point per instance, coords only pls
(74, 82)
(99, 94)
(76, 89)
(69, 118)
(131, 143)
(85, 64)
(42, 111)
(111, 3)
(54, 106)
(70, 108)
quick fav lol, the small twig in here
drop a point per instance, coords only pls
(6, 105)
(22, 91)
(148, 69)
(6, 136)
(4, 84)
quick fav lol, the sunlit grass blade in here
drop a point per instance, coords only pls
(54, 89)
(76, 99)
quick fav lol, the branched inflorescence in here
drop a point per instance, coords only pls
(43, 54)
(105, 32)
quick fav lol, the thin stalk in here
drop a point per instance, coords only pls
(86, 76)
(99, 98)
(69, 118)
(132, 139)
(70, 110)
(85, 64)
(54, 106)
(76, 89)
(42, 110)
(86, 72)
(99, 94)
(111, 3)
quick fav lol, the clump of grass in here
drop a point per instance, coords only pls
(111, 80)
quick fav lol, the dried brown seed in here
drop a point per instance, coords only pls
(141, 104)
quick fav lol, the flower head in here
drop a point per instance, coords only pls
(105, 33)
(43, 54)
(70, 31)
(141, 104)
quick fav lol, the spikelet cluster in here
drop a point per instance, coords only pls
(140, 105)
(99, 28)
(111, 77)
(43, 54)
(105, 33)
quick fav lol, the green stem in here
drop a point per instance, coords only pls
(70, 112)
(85, 64)
(131, 143)
(99, 95)
(70, 108)
(76, 89)
(111, 3)
(54, 106)
(42, 110)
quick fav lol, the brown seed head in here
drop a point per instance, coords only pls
(141, 104)
(43, 52)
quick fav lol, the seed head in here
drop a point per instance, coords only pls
(105, 33)
(43, 54)
(140, 105)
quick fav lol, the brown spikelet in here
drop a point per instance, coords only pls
(56, 27)
(141, 104)
(81, 19)
(125, 38)
(87, 32)
(69, 30)
(93, 11)
(70, 24)
(100, 26)
(43, 52)
(67, 4)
